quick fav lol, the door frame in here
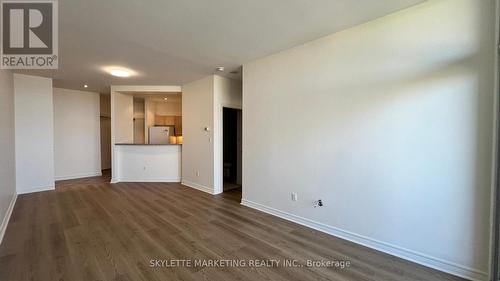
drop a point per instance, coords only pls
(495, 204)
(219, 160)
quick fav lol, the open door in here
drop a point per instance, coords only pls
(232, 151)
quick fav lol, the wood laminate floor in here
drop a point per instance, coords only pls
(90, 230)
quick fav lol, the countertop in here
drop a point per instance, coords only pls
(145, 144)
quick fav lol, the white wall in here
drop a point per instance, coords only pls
(77, 150)
(34, 115)
(122, 123)
(390, 123)
(227, 93)
(198, 147)
(7, 149)
(202, 103)
(123, 117)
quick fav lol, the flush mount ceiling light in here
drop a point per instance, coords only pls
(118, 71)
(220, 68)
(85, 86)
(165, 99)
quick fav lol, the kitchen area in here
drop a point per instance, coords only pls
(157, 119)
(147, 135)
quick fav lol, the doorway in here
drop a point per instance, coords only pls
(139, 121)
(105, 124)
(232, 151)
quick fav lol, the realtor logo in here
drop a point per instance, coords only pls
(29, 35)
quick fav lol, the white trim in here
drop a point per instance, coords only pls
(117, 180)
(6, 218)
(37, 189)
(112, 104)
(407, 254)
(79, 176)
(230, 105)
(149, 89)
(199, 187)
(494, 160)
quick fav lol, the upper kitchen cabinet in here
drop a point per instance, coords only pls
(165, 120)
(178, 125)
(164, 110)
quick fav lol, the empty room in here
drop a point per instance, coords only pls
(249, 140)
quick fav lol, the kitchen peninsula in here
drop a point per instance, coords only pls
(147, 162)
(145, 149)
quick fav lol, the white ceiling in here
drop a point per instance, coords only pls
(171, 42)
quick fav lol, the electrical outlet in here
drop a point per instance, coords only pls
(197, 173)
(294, 196)
(318, 203)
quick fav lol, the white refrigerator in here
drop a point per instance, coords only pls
(159, 135)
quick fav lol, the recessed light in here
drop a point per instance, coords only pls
(85, 86)
(220, 68)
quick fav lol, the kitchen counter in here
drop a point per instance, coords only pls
(147, 162)
(148, 144)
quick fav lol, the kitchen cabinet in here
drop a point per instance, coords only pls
(169, 120)
(176, 121)
(159, 120)
(178, 125)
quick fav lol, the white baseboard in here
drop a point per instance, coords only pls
(199, 187)
(117, 180)
(423, 259)
(6, 218)
(79, 176)
(38, 189)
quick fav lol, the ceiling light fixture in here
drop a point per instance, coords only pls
(165, 99)
(118, 71)
(85, 86)
(220, 68)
